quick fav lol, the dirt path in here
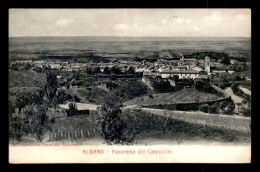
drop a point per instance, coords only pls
(234, 97)
(245, 90)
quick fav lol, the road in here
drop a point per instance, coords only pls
(81, 106)
(234, 97)
(245, 90)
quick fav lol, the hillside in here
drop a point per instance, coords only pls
(183, 96)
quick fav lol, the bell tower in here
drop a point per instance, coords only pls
(207, 65)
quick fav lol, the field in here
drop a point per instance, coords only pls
(182, 96)
(73, 123)
(25, 79)
(158, 129)
(146, 126)
(35, 47)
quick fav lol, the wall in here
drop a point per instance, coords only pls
(194, 105)
(214, 120)
(147, 82)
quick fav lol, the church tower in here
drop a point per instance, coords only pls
(182, 58)
(207, 65)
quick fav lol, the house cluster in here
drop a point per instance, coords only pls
(183, 68)
(54, 65)
(122, 65)
(166, 66)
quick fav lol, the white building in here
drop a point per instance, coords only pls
(55, 66)
(207, 65)
(183, 74)
(197, 68)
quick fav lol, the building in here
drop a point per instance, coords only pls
(207, 65)
(233, 61)
(231, 71)
(183, 74)
(55, 66)
(197, 68)
(191, 61)
(24, 62)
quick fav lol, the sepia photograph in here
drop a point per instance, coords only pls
(129, 85)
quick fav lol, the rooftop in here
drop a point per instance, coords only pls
(180, 72)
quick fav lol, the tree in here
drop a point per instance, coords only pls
(225, 60)
(34, 114)
(230, 108)
(21, 101)
(176, 77)
(96, 70)
(28, 66)
(77, 75)
(72, 111)
(88, 70)
(55, 102)
(106, 70)
(214, 108)
(17, 127)
(247, 99)
(246, 112)
(115, 70)
(39, 115)
(111, 85)
(204, 108)
(131, 70)
(62, 96)
(14, 66)
(111, 125)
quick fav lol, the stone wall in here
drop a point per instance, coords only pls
(193, 105)
(147, 82)
(237, 123)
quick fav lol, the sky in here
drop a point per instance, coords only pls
(130, 22)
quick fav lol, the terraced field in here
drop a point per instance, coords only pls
(183, 96)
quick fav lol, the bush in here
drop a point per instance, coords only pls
(130, 90)
(163, 86)
(214, 108)
(112, 126)
(72, 111)
(63, 96)
(246, 112)
(204, 108)
(237, 91)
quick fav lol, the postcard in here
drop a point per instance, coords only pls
(129, 85)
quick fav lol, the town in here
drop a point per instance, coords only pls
(209, 82)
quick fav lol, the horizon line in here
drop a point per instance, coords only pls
(141, 36)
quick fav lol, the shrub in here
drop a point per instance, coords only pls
(112, 126)
(163, 86)
(246, 112)
(204, 108)
(214, 108)
(72, 111)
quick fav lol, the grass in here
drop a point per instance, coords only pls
(73, 123)
(182, 96)
(149, 126)
(25, 79)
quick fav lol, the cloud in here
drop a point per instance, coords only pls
(195, 28)
(122, 26)
(64, 22)
(213, 18)
(126, 22)
(180, 20)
